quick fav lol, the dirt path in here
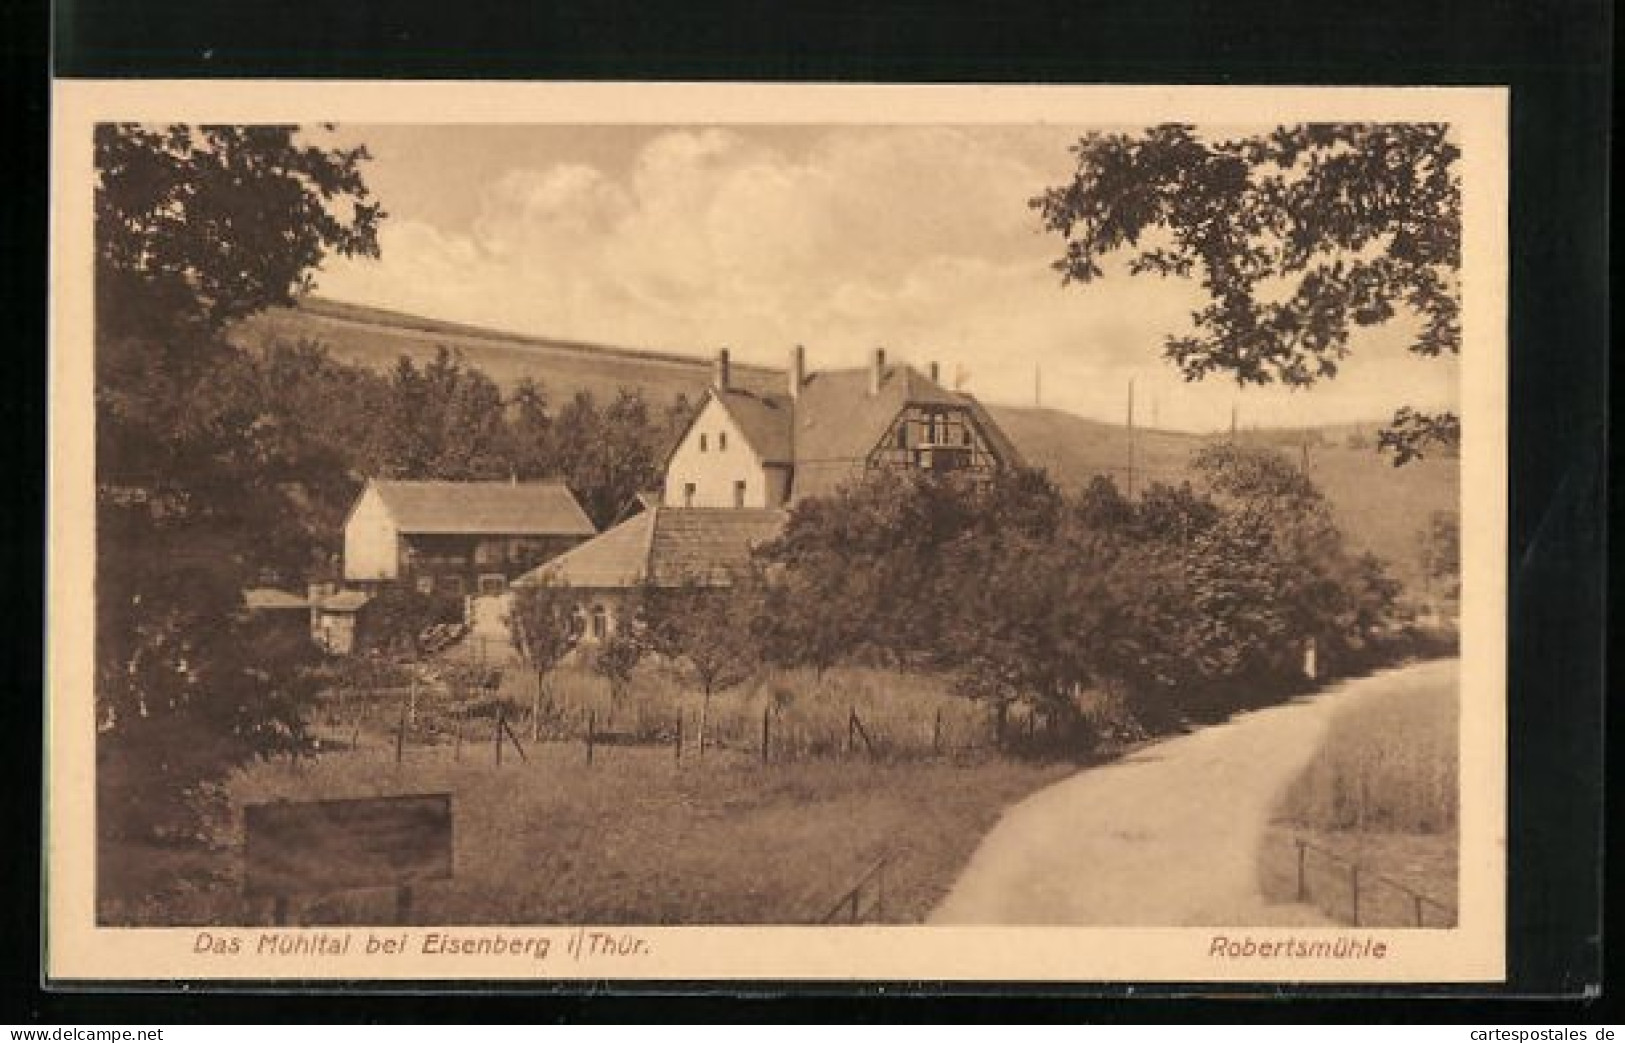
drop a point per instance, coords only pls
(1167, 836)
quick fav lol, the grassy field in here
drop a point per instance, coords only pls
(634, 838)
(1381, 793)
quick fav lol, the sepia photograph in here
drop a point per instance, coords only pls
(661, 531)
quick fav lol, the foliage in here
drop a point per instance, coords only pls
(1297, 237)
(1412, 435)
(1185, 601)
(201, 489)
(616, 659)
(708, 630)
(398, 615)
(545, 623)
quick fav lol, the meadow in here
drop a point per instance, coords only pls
(1381, 793)
(638, 835)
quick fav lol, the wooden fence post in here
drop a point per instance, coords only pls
(400, 735)
(1354, 889)
(496, 735)
(765, 719)
(592, 726)
(936, 734)
(536, 710)
(508, 730)
(678, 745)
(457, 746)
(1417, 901)
(1303, 886)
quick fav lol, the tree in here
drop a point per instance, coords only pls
(708, 631)
(544, 621)
(616, 659)
(200, 488)
(1296, 236)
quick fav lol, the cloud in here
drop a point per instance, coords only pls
(918, 239)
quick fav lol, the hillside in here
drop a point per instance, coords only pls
(1381, 507)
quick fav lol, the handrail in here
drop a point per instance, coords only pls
(1416, 896)
(849, 897)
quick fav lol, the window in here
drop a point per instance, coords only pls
(425, 584)
(739, 494)
(902, 435)
(722, 441)
(600, 623)
(493, 583)
(688, 494)
(702, 443)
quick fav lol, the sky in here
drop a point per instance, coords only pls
(917, 239)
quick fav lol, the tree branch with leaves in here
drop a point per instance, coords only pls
(1297, 237)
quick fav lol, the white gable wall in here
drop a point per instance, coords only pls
(371, 542)
(714, 471)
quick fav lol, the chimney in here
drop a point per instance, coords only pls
(877, 370)
(798, 370)
(722, 374)
(936, 373)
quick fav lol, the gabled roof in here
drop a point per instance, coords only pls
(837, 418)
(617, 558)
(838, 422)
(763, 419)
(484, 508)
(666, 545)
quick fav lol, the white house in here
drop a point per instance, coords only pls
(748, 455)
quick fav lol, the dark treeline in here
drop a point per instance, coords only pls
(447, 420)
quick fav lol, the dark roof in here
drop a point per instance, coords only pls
(838, 422)
(764, 419)
(707, 546)
(667, 545)
(490, 508)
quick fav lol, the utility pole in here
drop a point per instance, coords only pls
(1131, 438)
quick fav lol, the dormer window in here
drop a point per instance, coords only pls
(702, 442)
(722, 441)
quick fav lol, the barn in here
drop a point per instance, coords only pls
(458, 538)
